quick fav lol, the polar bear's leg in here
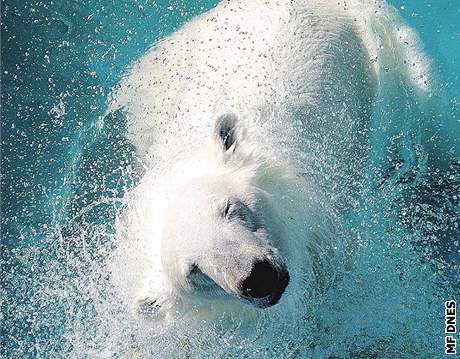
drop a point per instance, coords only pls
(154, 304)
(154, 299)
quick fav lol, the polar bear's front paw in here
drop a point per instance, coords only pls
(148, 306)
(154, 305)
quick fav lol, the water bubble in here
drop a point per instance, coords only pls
(58, 110)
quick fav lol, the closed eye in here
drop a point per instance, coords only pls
(237, 210)
(226, 208)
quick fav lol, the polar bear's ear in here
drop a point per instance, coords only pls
(226, 133)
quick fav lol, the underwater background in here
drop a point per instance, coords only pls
(66, 166)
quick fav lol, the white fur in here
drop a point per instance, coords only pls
(301, 77)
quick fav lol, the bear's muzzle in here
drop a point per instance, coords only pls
(265, 284)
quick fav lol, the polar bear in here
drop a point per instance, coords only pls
(236, 118)
(219, 227)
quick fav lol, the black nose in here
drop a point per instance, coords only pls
(265, 281)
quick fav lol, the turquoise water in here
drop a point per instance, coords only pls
(65, 171)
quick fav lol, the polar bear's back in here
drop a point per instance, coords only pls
(281, 66)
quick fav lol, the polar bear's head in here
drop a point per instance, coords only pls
(221, 233)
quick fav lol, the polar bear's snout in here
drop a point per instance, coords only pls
(265, 284)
